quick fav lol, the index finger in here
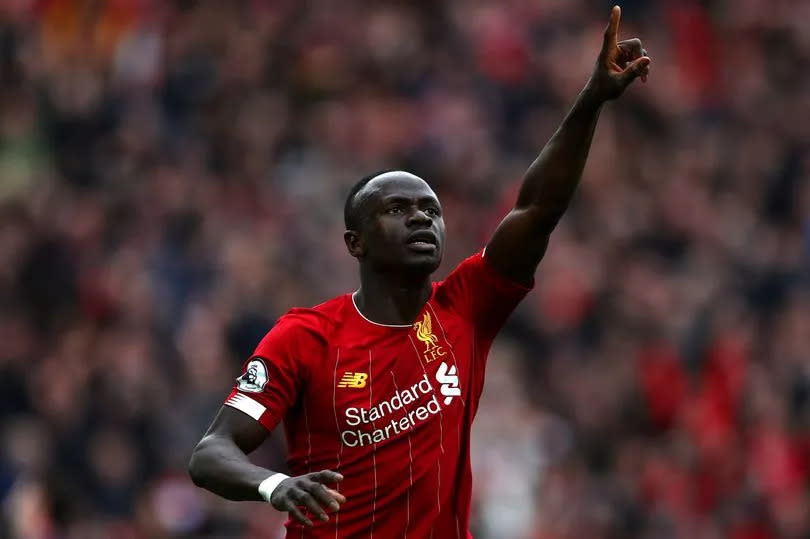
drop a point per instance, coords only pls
(612, 29)
(326, 476)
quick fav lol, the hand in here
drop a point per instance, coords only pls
(618, 63)
(308, 491)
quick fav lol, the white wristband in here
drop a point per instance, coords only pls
(267, 486)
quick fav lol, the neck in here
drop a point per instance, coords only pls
(391, 299)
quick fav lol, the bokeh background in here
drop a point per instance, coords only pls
(172, 175)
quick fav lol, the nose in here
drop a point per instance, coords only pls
(418, 217)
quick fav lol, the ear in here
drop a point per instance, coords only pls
(354, 243)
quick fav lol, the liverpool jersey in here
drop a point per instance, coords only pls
(390, 407)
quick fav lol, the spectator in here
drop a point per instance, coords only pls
(171, 180)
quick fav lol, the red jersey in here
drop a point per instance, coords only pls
(389, 407)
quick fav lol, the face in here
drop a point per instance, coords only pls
(402, 225)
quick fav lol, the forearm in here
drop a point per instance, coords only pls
(218, 465)
(521, 239)
(551, 180)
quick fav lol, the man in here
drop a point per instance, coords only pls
(378, 389)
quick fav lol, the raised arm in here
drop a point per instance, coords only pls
(220, 464)
(521, 239)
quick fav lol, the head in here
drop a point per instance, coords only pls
(394, 223)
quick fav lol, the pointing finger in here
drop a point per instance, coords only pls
(612, 29)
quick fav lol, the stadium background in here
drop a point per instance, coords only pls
(172, 176)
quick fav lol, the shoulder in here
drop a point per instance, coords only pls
(469, 266)
(312, 323)
(301, 335)
(477, 270)
(474, 287)
(453, 291)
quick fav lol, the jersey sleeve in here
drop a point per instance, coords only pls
(272, 378)
(478, 292)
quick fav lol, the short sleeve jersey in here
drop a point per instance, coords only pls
(389, 407)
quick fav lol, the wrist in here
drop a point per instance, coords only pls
(590, 95)
(270, 484)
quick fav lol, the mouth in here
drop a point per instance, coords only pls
(422, 241)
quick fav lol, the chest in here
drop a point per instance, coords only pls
(404, 378)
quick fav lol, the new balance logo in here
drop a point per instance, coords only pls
(353, 379)
(448, 378)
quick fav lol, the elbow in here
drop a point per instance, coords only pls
(546, 218)
(545, 226)
(196, 465)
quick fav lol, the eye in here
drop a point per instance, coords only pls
(394, 210)
(433, 212)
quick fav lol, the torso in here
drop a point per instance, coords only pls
(390, 408)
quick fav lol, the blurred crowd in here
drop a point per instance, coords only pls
(172, 176)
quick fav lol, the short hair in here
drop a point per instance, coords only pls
(351, 210)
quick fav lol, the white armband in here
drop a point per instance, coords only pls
(267, 486)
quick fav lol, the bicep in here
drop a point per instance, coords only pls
(238, 427)
(518, 244)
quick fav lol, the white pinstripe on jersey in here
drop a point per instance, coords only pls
(441, 435)
(373, 449)
(337, 425)
(453, 355)
(309, 447)
(410, 470)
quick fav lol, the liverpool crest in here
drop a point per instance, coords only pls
(424, 332)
